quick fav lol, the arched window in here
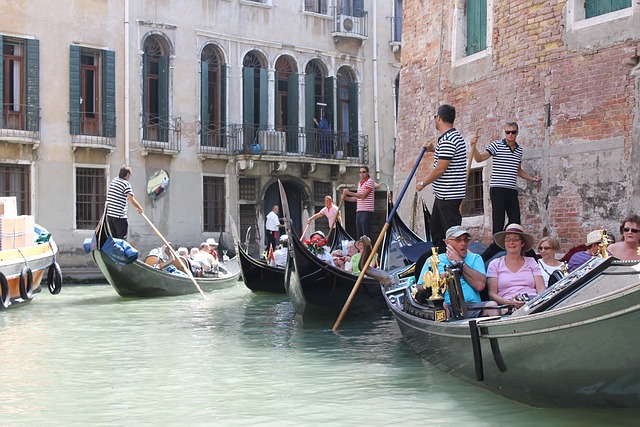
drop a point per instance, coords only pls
(155, 105)
(213, 103)
(254, 97)
(347, 114)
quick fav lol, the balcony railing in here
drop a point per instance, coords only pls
(92, 130)
(238, 139)
(161, 135)
(350, 23)
(20, 122)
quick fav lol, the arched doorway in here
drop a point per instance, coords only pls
(295, 196)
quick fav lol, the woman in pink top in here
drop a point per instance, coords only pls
(513, 274)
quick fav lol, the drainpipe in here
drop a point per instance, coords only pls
(375, 87)
(126, 82)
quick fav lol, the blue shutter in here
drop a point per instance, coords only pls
(33, 85)
(204, 102)
(476, 26)
(74, 90)
(109, 93)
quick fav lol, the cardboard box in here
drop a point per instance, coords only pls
(8, 206)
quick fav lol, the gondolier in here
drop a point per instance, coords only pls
(271, 226)
(118, 195)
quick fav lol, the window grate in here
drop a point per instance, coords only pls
(214, 199)
(474, 202)
(248, 188)
(15, 181)
(91, 194)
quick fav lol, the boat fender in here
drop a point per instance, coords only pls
(54, 278)
(5, 297)
(26, 283)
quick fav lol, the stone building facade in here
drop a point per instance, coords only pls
(566, 71)
(220, 94)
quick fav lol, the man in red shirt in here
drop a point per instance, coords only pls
(365, 202)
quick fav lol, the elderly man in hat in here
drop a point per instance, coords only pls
(593, 245)
(472, 280)
(280, 256)
(213, 250)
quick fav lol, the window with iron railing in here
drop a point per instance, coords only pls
(214, 203)
(91, 194)
(248, 189)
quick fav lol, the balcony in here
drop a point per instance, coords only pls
(161, 136)
(286, 142)
(20, 124)
(92, 130)
(349, 24)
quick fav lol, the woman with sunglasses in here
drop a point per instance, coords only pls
(503, 188)
(514, 278)
(627, 248)
(548, 248)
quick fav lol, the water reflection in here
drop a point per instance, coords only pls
(90, 356)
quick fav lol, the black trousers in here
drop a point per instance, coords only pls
(363, 224)
(271, 238)
(446, 214)
(504, 201)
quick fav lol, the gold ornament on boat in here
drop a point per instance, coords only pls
(432, 279)
(604, 244)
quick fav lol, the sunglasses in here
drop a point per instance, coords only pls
(633, 230)
(511, 132)
(512, 239)
(544, 248)
(461, 239)
(363, 171)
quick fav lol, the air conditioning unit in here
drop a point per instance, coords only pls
(346, 24)
(271, 140)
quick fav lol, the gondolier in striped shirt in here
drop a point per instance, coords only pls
(365, 202)
(448, 176)
(503, 189)
(118, 195)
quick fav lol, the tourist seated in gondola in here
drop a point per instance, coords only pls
(363, 244)
(203, 257)
(166, 261)
(351, 251)
(317, 244)
(550, 266)
(592, 245)
(194, 266)
(472, 279)
(513, 279)
(338, 258)
(213, 250)
(280, 255)
(627, 248)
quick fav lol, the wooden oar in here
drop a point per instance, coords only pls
(466, 180)
(378, 241)
(304, 232)
(175, 255)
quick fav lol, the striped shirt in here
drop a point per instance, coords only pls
(368, 203)
(506, 164)
(453, 182)
(117, 198)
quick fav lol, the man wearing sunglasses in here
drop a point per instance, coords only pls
(503, 188)
(628, 247)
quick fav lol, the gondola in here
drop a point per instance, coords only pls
(313, 284)
(138, 279)
(574, 345)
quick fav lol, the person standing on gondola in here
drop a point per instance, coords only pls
(329, 210)
(118, 195)
(365, 202)
(272, 225)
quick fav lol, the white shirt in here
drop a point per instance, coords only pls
(272, 222)
(280, 257)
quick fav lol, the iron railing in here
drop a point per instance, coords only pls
(350, 22)
(20, 121)
(161, 134)
(92, 129)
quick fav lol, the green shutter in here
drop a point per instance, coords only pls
(353, 119)
(276, 99)
(163, 98)
(476, 26)
(33, 85)
(204, 102)
(358, 7)
(247, 96)
(1, 80)
(292, 106)
(263, 98)
(223, 104)
(329, 83)
(309, 101)
(109, 93)
(74, 90)
(600, 7)
(145, 96)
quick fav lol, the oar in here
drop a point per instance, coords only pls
(176, 256)
(466, 180)
(378, 241)
(304, 232)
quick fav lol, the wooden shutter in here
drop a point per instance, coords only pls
(476, 26)
(329, 100)
(109, 93)
(33, 85)
(247, 96)
(223, 104)
(145, 97)
(204, 102)
(74, 90)
(600, 7)
(353, 120)
(292, 105)
(263, 98)
(309, 101)
(1, 79)
(163, 98)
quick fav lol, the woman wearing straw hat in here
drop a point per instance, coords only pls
(514, 278)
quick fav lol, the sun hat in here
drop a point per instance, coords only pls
(212, 242)
(456, 231)
(284, 238)
(594, 237)
(498, 238)
(318, 232)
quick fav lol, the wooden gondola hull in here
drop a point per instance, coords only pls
(141, 280)
(258, 276)
(580, 352)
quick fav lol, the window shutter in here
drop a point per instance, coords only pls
(145, 97)
(358, 7)
(74, 90)
(109, 93)
(163, 98)
(204, 102)
(247, 96)
(263, 98)
(33, 85)
(276, 98)
(328, 99)
(353, 119)
(309, 100)
(292, 105)
(1, 79)
(223, 103)
(600, 7)
(476, 26)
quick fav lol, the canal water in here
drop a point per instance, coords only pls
(90, 357)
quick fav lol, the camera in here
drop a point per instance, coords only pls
(522, 297)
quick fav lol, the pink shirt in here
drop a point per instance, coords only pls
(511, 284)
(330, 214)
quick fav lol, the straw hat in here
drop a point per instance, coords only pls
(498, 238)
(212, 242)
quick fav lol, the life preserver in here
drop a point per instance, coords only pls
(5, 298)
(54, 278)
(26, 283)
